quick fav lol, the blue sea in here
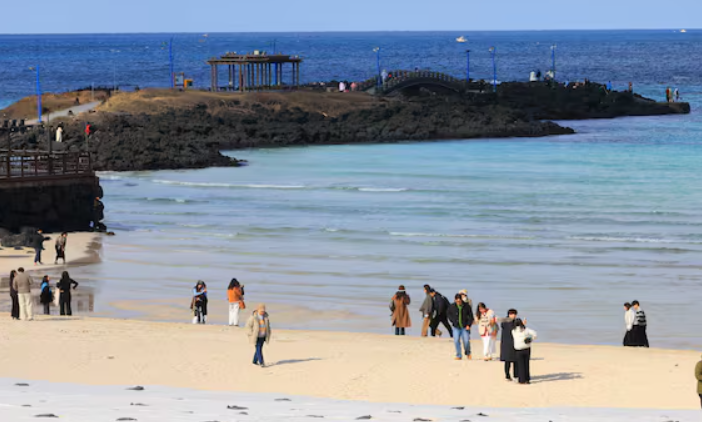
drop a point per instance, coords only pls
(566, 228)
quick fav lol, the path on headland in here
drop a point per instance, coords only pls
(83, 108)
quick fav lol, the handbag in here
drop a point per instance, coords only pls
(242, 305)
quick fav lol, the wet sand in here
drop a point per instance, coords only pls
(336, 365)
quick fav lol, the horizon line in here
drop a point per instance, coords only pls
(355, 31)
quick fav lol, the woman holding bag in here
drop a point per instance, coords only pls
(235, 293)
(487, 327)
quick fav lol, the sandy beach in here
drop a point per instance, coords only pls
(335, 365)
(81, 249)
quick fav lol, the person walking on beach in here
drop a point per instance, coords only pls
(629, 318)
(508, 354)
(235, 294)
(523, 338)
(427, 310)
(199, 303)
(14, 298)
(46, 296)
(258, 328)
(461, 317)
(639, 337)
(38, 245)
(487, 326)
(61, 248)
(64, 287)
(440, 306)
(698, 375)
(23, 285)
(400, 313)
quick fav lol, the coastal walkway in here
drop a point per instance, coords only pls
(83, 108)
(400, 81)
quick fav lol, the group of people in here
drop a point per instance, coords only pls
(258, 326)
(37, 243)
(672, 95)
(21, 284)
(458, 319)
(635, 320)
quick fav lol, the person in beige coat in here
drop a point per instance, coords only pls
(258, 328)
(400, 313)
(23, 285)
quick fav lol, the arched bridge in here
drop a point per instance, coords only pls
(403, 81)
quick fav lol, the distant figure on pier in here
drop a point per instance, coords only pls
(14, 298)
(88, 131)
(631, 87)
(677, 95)
(384, 75)
(668, 95)
(23, 285)
(354, 86)
(342, 87)
(64, 287)
(59, 134)
(61, 247)
(609, 86)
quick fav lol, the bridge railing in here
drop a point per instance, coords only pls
(396, 77)
(25, 165)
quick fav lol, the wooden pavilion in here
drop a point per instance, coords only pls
(255, 72)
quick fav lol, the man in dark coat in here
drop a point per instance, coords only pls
(38, 245)
(507, 353)
(440, 308)
(461, 317)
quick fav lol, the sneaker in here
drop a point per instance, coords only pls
(508, 379)
(469, 357)
(457, 358)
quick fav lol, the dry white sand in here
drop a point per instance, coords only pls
(81, 248)
(334, 365)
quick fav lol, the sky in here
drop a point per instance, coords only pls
(178, 16)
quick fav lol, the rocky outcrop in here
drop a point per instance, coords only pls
(55, 205)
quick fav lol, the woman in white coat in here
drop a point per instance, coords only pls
(523, 339)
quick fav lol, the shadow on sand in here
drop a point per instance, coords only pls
(293, 361)
(561, 376)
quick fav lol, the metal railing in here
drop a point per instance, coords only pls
(25, 165)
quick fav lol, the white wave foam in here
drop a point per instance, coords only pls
(227, 185)
(383, 189)
(619, 239)
(473, 236)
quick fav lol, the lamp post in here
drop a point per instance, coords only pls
(553, 61)
(494, 70)
(467, 66)
(114, 71)
(380, 77)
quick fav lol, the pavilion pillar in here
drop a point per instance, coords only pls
(298, 74)
(212, 81)
(231, 77)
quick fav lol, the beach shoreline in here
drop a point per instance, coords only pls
(341, 366)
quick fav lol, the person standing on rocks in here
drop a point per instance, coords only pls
(64, 287)
(14, 298)
(426, 309)
(38, 245)
(461, 317)
(23, 285)
(440, 307)
(46, 296)
(258, 328)
(59, 134)
(235, 294)
(400, 313)
(61, 248)
(508, 354)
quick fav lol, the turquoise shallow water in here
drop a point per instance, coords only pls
(565, 229)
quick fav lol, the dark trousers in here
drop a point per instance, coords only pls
(47, 308)
(14, 312)
(440, 319)
(258, 356)
(639, 336)
(523, 357)
(37, 255)
(65, 304)
(399, 331)
(514, 370)
(60, 254)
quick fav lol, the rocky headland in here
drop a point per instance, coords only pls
(163, 129)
